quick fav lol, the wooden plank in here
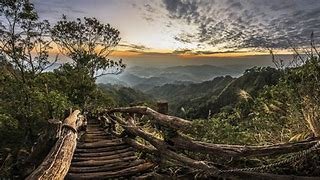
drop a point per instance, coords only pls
(112, 174)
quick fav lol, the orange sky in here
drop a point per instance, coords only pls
(196, 29)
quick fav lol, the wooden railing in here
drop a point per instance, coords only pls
(57, 162)
(174, 146)
(174, 143)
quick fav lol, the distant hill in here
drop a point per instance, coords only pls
(189, 95)
(125, 96)
(195, 100)
(253, 81)
(145, 78)
(182, 91)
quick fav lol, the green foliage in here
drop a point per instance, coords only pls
(75, 83)
(125, 96)
(277, 112)
(56, 103)
(22, 39)
(29, 94)
(9, 130)
(211, 97)
(88, 43)
(220, 130)
(184, 100)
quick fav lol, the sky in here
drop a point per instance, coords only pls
(202, 30)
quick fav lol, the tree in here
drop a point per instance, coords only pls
(24, 51)
(22, 39)
(88, 43)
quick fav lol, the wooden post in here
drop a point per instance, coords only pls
(168, 133)
(162, 107)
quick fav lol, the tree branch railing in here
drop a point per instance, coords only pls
(57, 162)
(175, 143)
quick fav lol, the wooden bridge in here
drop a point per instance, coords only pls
(105, 145)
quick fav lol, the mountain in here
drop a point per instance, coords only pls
(187, 95)
(195, 100)
(182, 91)
(125, 96)
(252, 82)
(146, 78)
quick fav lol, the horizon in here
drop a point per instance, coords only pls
(182, 31)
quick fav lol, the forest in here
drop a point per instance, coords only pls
(263, 106)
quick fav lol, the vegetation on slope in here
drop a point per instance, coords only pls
(211, 97)
(265, 105)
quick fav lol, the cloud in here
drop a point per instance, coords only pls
(182, 51)
(134, 47)
(185, 37)
(58, 7)
(213, 52)
(149, 8)
(247, 24)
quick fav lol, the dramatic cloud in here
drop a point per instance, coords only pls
(241, 24)
(202, 27)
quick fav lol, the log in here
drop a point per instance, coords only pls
(173, 122)
(163, 148)
(186, 143)
(141, 147)
(57, 162)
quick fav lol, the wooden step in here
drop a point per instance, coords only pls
(95, 139)
(95, 136)
(105, 149)
(96, 132)
(98, 158)
(93, 123)
(102, 162)
(100, 144)
(101, 155)
(94, 127)
(109, 153)
(107, 167)
(111, 174)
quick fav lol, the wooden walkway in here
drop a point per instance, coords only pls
(100, 155)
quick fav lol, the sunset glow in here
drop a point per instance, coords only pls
(193, 28)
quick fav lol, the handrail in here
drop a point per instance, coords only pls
(186, 143)
(170, 148)
(57, 162)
